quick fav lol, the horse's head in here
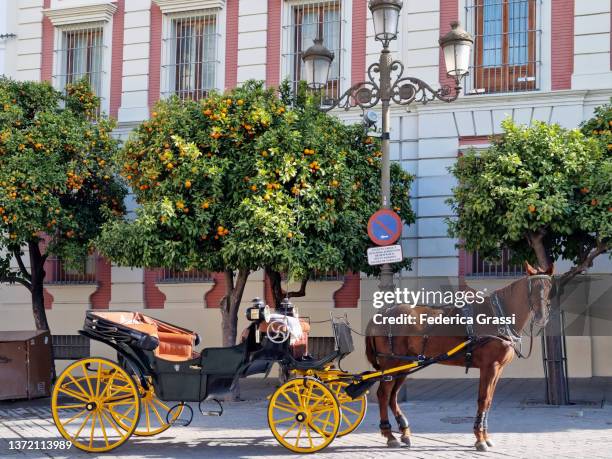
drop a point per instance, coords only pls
(539, 286)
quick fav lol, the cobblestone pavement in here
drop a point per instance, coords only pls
(440, 412)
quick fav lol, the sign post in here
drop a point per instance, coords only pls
(384, 229)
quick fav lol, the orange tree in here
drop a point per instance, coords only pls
(56, 180)
(242, 181)
(542, 191)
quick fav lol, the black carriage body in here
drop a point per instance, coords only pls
(209, 374)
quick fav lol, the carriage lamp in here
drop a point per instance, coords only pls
(385, 14)
(457, 46)
(317, 62)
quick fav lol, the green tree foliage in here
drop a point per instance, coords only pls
(542, 191)
(56, 180)
(243, 181)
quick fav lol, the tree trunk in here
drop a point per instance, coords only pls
(37, 270)
(37, 275)
(231, 304)
(557, 390)
(275, 284)
(536, 241)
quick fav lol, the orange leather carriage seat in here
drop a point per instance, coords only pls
(175, 344)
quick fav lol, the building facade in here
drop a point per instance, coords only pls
(533, 60)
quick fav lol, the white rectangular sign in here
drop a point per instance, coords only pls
(385, 254)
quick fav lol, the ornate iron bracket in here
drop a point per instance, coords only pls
(402, 91)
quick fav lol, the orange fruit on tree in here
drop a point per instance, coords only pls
(594, 202)
(188, 184)
(532, 208)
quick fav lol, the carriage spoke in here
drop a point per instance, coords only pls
(350, 410)
(76, 383)
(93, 429)
(103, 428)
(299, 434)
(286, 408)
(98, 379)
(113, 424)
(290, 428)
(73, 394)
(290, 401)
(288, 418)
(85, 370)
(69, 407)
(160, 403)
(78, 415)
(159, 418)
(76, 435)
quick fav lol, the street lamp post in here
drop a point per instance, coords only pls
(392, 85)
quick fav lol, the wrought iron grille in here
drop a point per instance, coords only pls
(305, 22)
(190, 61)
(80, 54)
(60, 272)
(70, 347)
(478, 267)
(170, 276)
(507, 37)
(319, 276)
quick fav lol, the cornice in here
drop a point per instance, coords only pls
(177, 6)
(80, 14)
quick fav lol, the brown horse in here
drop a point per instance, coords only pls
(526, 298)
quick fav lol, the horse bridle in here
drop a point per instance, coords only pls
(508, 330)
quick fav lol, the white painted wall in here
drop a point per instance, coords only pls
(252, 40)
(135, 84)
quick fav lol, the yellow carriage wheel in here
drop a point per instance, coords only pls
(88, 398)
(154, 414)
(304, 415)
(352, 410)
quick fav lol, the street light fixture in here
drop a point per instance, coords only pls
(317, 62)
(385, 15)
(392, 85)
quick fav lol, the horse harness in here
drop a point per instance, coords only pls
(506, 333)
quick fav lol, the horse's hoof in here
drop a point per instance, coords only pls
(405, 441)
(490, 443)
(393, 443)
(482, 446)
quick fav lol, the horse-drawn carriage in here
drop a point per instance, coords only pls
(98, 404)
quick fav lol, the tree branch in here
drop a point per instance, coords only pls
(302, 291)
(16, 279)
(22, 268)
(586, 263)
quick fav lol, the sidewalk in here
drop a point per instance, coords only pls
(440, 412)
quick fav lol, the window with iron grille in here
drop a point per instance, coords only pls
(506, 56)
(79, 272)
(476, 266)
(80, 54)
(70, 347)
(190, 60)
(171, 276)
(305, 22)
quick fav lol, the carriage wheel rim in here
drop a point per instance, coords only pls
(304, 415)
(153, 413)
(88, 397)
(353, 410)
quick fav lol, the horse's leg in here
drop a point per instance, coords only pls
(488, 378)
(498, 371)
(402, 421)
(383, 393)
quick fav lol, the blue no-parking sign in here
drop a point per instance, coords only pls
(384, 227)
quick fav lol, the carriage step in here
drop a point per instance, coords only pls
(218, 412)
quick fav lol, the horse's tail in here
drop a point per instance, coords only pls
(370, 348)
